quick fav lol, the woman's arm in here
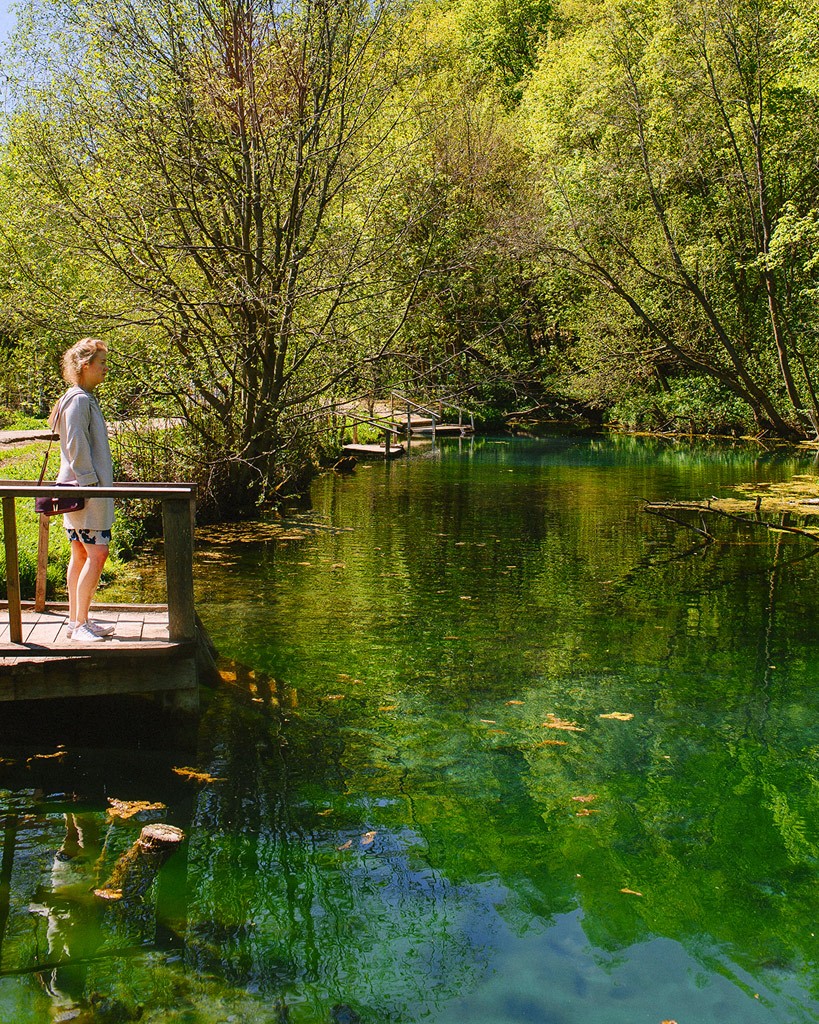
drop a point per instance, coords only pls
(76, 420)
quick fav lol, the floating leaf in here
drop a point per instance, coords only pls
(325, 812)
(489, 721)
(192, 775)
(669, 1022)
(631, 892)
(618, 716)
(584, 812)
(108, 894)
(587, 799)
(509, 703)
(333, 696)
(345, 846)
(553, 722)
(125, 809)
(56, 756)
(388, 707)
(228, 676)
(367, 838)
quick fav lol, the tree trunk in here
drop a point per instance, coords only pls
(134, 872)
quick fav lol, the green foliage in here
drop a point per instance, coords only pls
(227, 199)
(25, 463)
(687, 404)
(505, 38)
(502, 198)
(14, 419)
(672, 141)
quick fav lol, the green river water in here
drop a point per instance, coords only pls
(416, 804)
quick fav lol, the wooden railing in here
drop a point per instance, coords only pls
(178, 507)
(401, 399)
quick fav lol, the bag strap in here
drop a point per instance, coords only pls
(54, 432)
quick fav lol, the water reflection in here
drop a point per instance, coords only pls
(496, 747)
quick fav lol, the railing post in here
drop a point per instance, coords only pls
(386, 444)
(42, 564)
(177, 525)
(12, 570)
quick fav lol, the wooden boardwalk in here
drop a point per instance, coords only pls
(374, 451)
(138, 629)
(154, 649)
(138, 658)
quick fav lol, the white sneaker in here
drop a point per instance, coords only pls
(85, 635)
(102, 629)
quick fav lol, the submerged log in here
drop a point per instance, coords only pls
(135, 871)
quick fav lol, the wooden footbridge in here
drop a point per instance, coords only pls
(401, 416)
(160, 649)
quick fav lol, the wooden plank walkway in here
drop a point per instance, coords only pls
(154, 649)
(373, 451)
(139, 629)
(138, 658)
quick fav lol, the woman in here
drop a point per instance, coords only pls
(85, 460)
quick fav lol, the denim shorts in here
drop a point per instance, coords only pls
(89, 536)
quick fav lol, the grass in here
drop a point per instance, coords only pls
(19, 421)
(24, 463)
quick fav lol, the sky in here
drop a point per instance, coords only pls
(6, 18)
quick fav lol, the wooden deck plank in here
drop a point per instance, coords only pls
(46, 633)
(106, 650)
(128, 629)
(154, 631)
(373, 451)
(141, 631)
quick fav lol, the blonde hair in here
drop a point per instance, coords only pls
(80, 355)
(77, 357)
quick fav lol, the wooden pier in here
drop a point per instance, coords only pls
(374, 451)
(159, 649)
(403, 417)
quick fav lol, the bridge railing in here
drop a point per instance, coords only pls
(442, 403)
(178, 508)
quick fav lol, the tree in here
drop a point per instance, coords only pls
(220, 163)
(673, 138)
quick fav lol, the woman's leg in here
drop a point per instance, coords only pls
(75, 566)
(89, 577)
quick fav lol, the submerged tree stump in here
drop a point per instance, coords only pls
(133, 874)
